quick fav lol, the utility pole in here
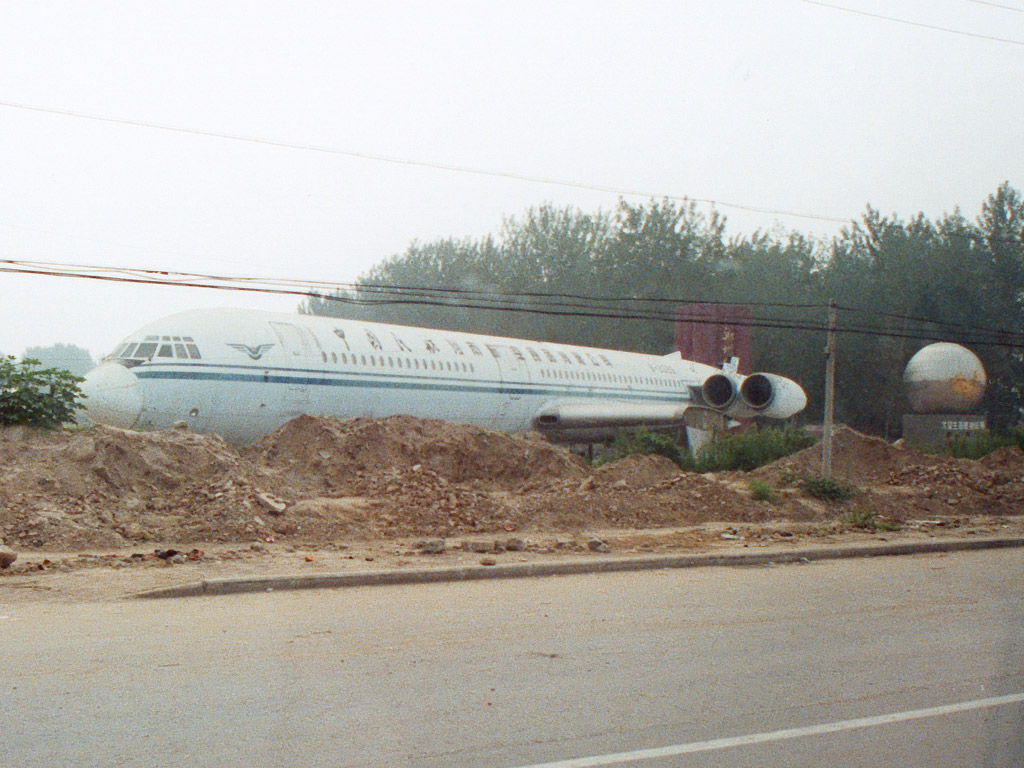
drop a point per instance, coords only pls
(830, 386)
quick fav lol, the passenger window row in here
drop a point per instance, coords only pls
(405, 363)
(608, 378)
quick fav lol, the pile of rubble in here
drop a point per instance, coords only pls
(316, 482)
(904, 484)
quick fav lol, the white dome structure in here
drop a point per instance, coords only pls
(944, 378)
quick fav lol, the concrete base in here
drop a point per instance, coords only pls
(935, 430)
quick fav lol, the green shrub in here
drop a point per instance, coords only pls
(751, 449)
(867, 520)
(34, 396)
(981, 443)
(742, 451)
(644, 441)
(761, 491)
(826, 490)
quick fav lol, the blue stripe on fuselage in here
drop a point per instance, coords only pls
(309, 377)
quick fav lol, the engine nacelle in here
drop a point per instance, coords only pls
(776, 397)
(719, 391)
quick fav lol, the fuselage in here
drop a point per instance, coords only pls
(242, 374)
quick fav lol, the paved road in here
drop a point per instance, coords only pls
(526, 672)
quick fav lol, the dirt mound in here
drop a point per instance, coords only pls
(904, 484)
(150, 462)
(317, 482)
(340, 457)
(103, 487)
(856, 458)
(1009, 459)
(638, 471)
(682, 499)
(314, 480)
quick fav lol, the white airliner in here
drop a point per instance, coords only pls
(242, 374)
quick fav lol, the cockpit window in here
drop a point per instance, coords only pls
(145, 350)
(181, 348)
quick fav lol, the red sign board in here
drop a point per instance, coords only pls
(713, 333)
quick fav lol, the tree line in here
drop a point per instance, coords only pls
(613, 279)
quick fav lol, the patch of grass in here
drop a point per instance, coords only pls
(787, 479)
(867, 520)
(741, 451)
(644, 441)
(762, 491)
(751, 449)
(831, 491)
(979, 444)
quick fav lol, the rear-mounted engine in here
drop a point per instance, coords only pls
(776, 397)
(719, 391)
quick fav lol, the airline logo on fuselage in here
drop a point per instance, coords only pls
(254, 353)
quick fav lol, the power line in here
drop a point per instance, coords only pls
(574, 296)
(913, 23)
(411, 300)
(452, 299)
(998, 5)
(407, 296)
(358, 293)
(929, 321)
(593, 301)
(174, 277)
(425, 164)
(410, 293)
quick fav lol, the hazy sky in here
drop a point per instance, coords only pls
(785, 105)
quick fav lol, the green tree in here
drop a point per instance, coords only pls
(880, 273)
(900, 283)
(549, 253)
(780, 276)
(659, 250)
(68, 357)
(905, 284)
(410, 289)
(1001, 242)
(465, 284)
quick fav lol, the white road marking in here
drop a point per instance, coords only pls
(788, 733)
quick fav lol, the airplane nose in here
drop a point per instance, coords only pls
(112, 395)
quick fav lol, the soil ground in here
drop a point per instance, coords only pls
(103, 512)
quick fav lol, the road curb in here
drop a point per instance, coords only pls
(603, 565)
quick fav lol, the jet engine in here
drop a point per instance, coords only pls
(760, 394)
(776, 397)
(719, 391)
